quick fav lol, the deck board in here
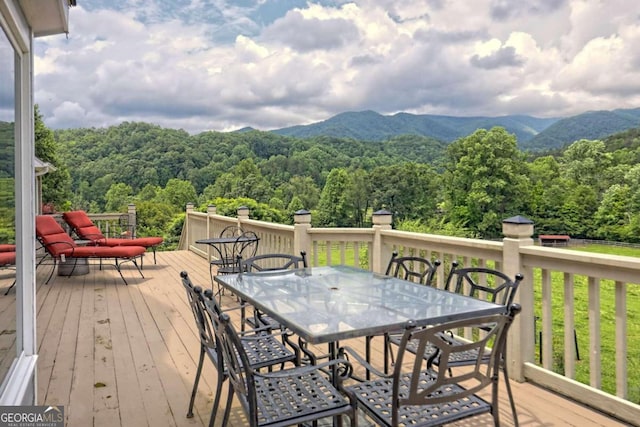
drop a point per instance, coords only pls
(141, 343)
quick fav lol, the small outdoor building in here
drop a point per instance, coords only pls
(554, 239)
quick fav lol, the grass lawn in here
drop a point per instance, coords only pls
(607, 324)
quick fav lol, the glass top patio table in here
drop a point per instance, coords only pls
(333, 303)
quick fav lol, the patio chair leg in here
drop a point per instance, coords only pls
(117, 266)
(227, 408)
(510, 394)
(133, 260)
(10, 287)
(216, 400)
(55, 264)
(195, 383)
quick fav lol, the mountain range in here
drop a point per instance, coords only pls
(533, 134)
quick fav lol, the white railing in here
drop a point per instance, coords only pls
(560, 287)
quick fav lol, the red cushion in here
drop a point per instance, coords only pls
(7, 248)
(107, 251)
(90, 232)
(77, 219)
(53, 236)
(7, 258)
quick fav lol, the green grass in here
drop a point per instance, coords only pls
(349, 255)
(608, 249)
(607, 324)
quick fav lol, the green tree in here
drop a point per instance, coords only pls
(333, 210)
(118, 197)
(614, 213)
(485, 181)
(177, 193)
(56, 185)
(408, 190)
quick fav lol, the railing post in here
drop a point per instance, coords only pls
(301, 236)
(243, 215)
(186, 234)
(131, 210)
(211, 210)
(518, 232)
(381, 221)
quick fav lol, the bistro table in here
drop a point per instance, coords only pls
(333, 303)
(224, 247)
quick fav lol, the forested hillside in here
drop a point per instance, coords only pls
(533, 134)
(590, 125)
(372, 126)
(590, 189)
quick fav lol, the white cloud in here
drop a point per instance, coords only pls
(217, 66)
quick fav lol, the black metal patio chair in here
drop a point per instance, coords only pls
(280, 398)
(421, 392)
(415, 269)
(270, 262)
(273, 262)
(483, 283)
(261, 346)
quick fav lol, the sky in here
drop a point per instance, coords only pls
(219, 65)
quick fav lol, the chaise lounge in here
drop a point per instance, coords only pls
(8, 259)
(61, 247)
(85, 229)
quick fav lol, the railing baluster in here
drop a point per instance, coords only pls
(569, 325)
(595, 362)
(621, 340)
(547, 321)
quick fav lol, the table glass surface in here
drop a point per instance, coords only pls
(327, 304)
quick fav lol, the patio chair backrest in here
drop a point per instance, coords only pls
(247, 245)
(236, 360)
(412, 268)
(52, 236)
(272, 262)
(485, 283)
(196, 302)
(82, 225)
(231, 231)
(417, 380)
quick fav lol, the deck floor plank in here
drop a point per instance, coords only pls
(141, 342)
(155, 404)
(129, 393)
(66, 320)
(81, 385)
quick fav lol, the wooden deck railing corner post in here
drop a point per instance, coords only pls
(381, 220)
(301, 227)
(518, 232)
(131, 212)
(184, 243)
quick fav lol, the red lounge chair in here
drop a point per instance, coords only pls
(7, 255)
(60, 246)
(85, 229)
(8, 259)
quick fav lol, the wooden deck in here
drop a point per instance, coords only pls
(126, 355)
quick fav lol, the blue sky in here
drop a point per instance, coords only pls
(221, 65)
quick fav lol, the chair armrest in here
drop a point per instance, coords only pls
(348, 353)
(344, 370)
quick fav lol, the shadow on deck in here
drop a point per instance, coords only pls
(126, 355)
